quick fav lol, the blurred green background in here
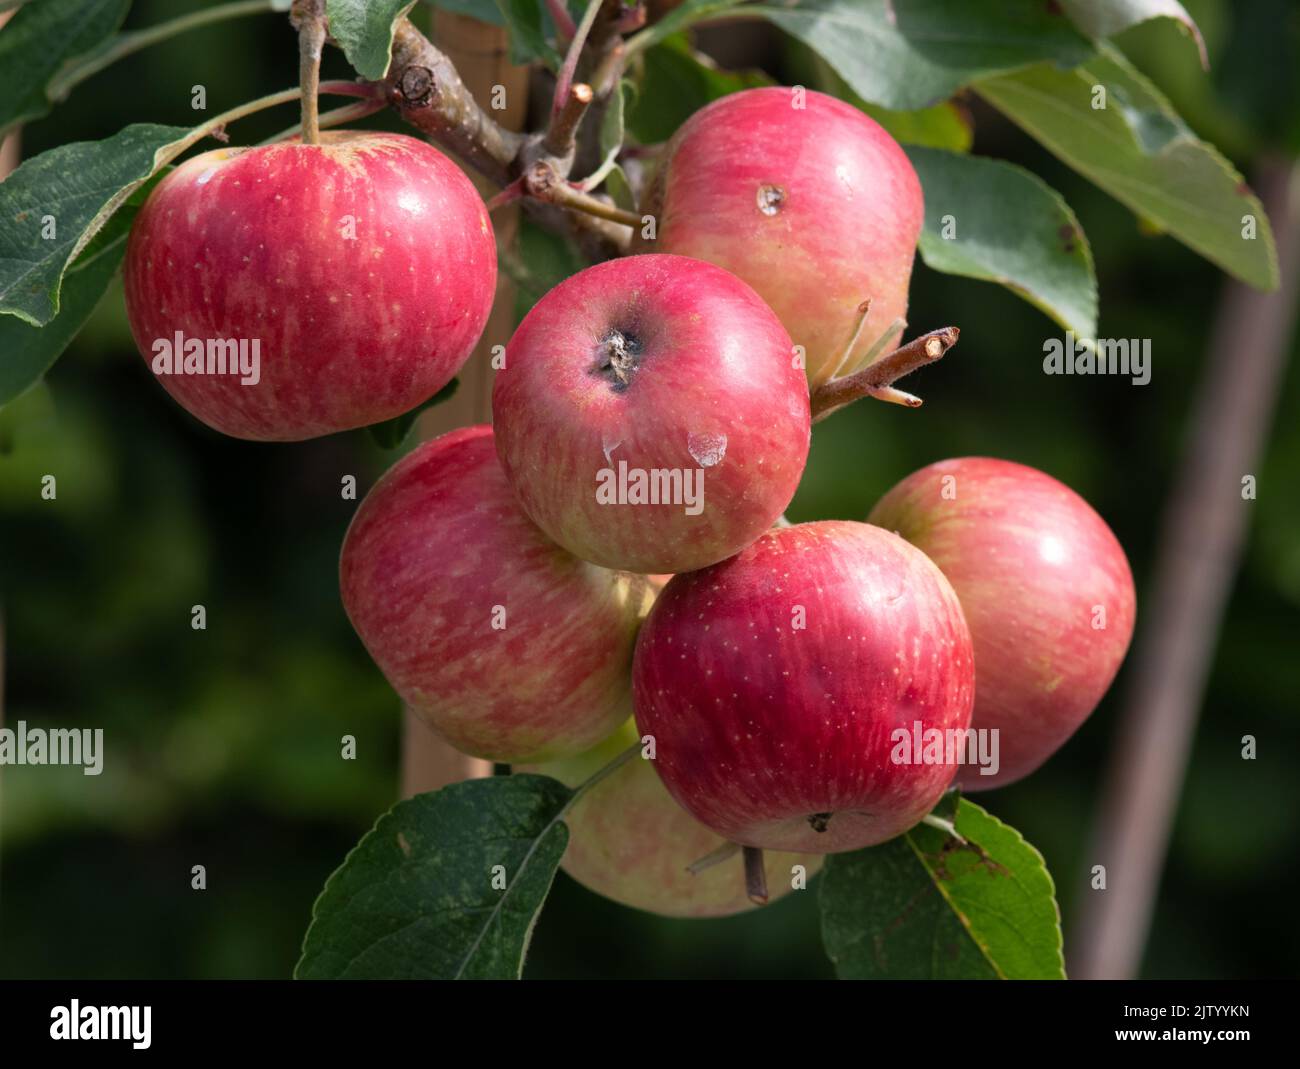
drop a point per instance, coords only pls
(223, 745)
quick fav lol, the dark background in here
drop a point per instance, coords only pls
(223, 745)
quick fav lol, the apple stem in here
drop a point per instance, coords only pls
(563, 20)
(755, 876)
(562, 135)
(215, 126)
(713, 857)
(346, 114)
(859, 324)
(508, 195)
(894, 330)
(876, 379)
(564, 80)
(544, 183)
(591, 781)
(309, 16)
(610, 69)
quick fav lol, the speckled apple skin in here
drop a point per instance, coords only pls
(435, 547)
(1030, 560)
(629, 841)
(716, 389)
(251, 243)
(845, 229)
(761, 725)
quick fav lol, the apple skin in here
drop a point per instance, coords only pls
(437, 544)
(251, 244)
(844, 228)
(629, 841)
(714, 389)
(1029, 559)
(761, 727)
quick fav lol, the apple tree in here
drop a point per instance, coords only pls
(706, 708)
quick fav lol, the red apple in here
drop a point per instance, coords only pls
(511, 648)
(650, 415)
(360, 271)
(778, 684)
(629, 841)
(1046, 589)
(805, 198)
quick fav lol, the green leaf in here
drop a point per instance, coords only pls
(1105, 18)
(611, 127)
(677, 82)
(612, 133)
(943, 125)
(1140, 151)
(38, 41)
(909, 56)
(925, 906)
(392, 432)
(540, 261)
(1009, 227)
(528, 24)
(364, 30)
(79, 186)
(28, 352)
(619, 187)
(415, 898)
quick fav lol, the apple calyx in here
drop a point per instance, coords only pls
(770, 198)
(619, 356)
(877, 378)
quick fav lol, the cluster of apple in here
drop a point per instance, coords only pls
(608, 564)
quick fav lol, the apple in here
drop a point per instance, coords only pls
(509, 647)
(629, 841)
(1046, 589)
(809, 201)
(778, 685)
(650, 415)
(353, 278)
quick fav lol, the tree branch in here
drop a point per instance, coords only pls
(544, 183)
(427, 92)
(425, 89)
(876, 380)
(562, 133)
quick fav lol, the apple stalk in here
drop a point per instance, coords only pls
(877, 379)
(309, 16)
